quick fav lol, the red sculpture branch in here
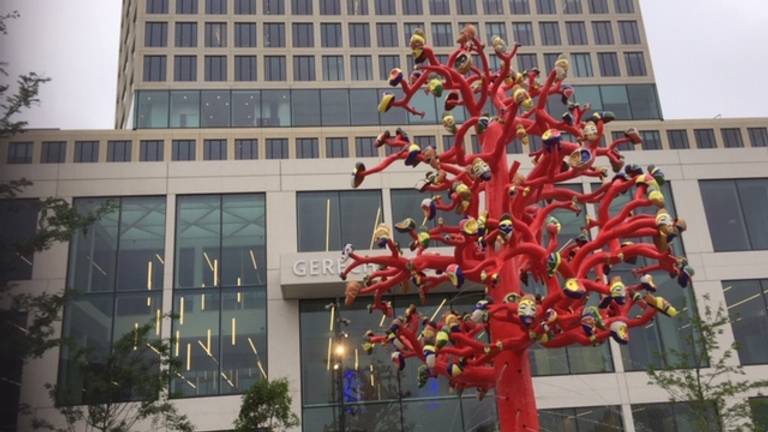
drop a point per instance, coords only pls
(512, 238)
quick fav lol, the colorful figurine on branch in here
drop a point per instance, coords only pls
(512, 237)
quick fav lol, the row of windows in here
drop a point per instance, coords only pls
(160, 109)
(335, 147)
(386, 34)
(389, 7)
(361, 67)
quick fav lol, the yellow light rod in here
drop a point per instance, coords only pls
(234, 331)
(149, 275)
(375, 224)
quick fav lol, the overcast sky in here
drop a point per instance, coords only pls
(709, 56)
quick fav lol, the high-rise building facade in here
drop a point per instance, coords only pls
(237, 125)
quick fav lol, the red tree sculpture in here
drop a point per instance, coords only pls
(501, 242)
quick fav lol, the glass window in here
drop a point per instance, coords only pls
(215, 108)
(220, 299)
(410, 28)
(86, 151)
(185, 68)
(759, 407)
(277, 148)
(307, 148)
(185, 109)
(442, 34)
(335, 107)
(246, 149)
(245, 68)
(439, 7)
(609, 64)
(215, 68)
(361, 68)
(615, 99)
(215, 149)
(758, 136)
(186, 6)
(669, 417)
(572, 7)
(413, 7)
(303, 35)
(303, 68)
(705, 138)
(748, 312)
(155, 34)
(495, 29)
(245, 35)
(493, 7)
(386, 34)
(245, 7)
(577, 32)
(678, 139)
(745, 219)
(362, 107)
(522, 32)
(274, 7)
(582, 65)
(333, 68)
(215, 35)
(386, 64)
(624, 6)
(118, 151)
(216, 7)
(364, 147)
(336, 148)
(644, 103)
(384, 7)
(116, 276)
(183, 150)
(550, 33)
(157, 6)
(598, 6)
(357, 7)
(426, 104)
(154, 68)
(732, 137)
(274, 68)
(18, 223)
(545, 7)
(151, 150)
(651, 140)
(301, 7)
(274, 35)
(359, 35)
(520, 7)
(275, 108)
(466, 7)
(152, 109)
(330, 7)
(20, 153)
(305, 107)
(603, 32)
(330, 35)
(246, 108)
(186, 34)
(585, 419)
(53, 152)
(346, 217)
(527, 61)
(629, 32)
(635, 62)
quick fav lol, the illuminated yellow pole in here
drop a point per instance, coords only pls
(327, 225)
(375, 224)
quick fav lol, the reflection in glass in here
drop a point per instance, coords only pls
(425, 103)
(275, 108)
(669, 417)
(142, 244)
(587, 419)
(215, 108)
(244, 338)
(185, 109)
(335, 107)
(246, 108)
(395, 116)
(93, 251)
(615, 99)
(198, 231)
(328, 220)
(749, 318)
(724, 215)
(305, 107)
(362, 107)
(18, 222)
(643, 100)
(243, 240)
(196, 342)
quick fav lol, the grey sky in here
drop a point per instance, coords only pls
(709, 57)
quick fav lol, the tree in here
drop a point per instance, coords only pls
(511, 241)
(128, 386)
(708, 379)
(266, 408)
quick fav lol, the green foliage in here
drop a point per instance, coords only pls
(716, 379)
(128, 387)
(266, 408)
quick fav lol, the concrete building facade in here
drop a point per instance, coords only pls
(237, 126)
